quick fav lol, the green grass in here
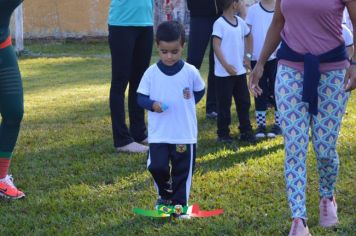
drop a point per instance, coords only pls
(76, 184)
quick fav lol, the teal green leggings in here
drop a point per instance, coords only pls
(11, 101)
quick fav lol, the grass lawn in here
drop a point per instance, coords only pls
(76, 184)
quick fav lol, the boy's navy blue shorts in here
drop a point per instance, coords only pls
(172, 166)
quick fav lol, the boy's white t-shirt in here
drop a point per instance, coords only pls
(347, 35)
(346, 20)
(259, 19)
(232, 44)
(178, 124)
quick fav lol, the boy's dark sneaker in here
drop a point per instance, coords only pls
(160, 201)
(248, 137)
(224, 139)
(275, 130)
(212, 115)
(181, 212)
(182, 216)
(260, 132)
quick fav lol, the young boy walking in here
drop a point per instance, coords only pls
(169, 90)
(259, 18)
(230, 33)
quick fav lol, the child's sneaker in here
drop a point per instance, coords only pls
(182, 216)
(133, 148)
(162, 202)
(328, 212)
(224, 139)
(212, 115)
(260, 132)
(145, 141)
(8, 189)
(276, 130)
(181, 212)
(299, 228)
(248, 137)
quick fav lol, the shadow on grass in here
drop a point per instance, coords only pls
(222, 161)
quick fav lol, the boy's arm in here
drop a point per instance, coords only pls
(350, 51)
(217, 49)
(248, 50)
(242, 10)
(198, 95)
(145, 102)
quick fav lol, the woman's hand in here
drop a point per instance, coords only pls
(350, 79)
(255, 77)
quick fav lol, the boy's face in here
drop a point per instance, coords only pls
(170, 52)
(236, 6)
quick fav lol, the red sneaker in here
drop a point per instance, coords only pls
(8, 189)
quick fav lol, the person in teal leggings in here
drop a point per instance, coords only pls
(11, 100)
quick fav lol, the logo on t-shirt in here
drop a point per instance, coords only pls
(186, 93)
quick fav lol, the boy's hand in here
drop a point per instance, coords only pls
(247, 63)
(157, 107)
(231, 69)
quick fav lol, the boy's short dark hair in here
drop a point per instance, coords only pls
(225, 4)
(170, 31)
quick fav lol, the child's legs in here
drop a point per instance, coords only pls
(224, 87)
(261, 101)
(158, 166)
(183, 162)
(270, 70)
(325, 128)
(141, 60)
(295, 120)
(243, 103)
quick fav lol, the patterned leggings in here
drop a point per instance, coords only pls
(295, 122)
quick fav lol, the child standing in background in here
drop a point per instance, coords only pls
(259, 18)
(169, 90)
(230, 33)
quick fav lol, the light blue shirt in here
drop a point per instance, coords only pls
(131, 13)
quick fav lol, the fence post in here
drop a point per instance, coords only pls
(19, 46)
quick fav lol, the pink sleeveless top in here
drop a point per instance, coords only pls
(313, 27)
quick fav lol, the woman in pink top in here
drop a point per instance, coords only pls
(313, 82)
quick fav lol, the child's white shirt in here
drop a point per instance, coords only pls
(177, 124)
(259, 19)
(232, 44)
(347, 35)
